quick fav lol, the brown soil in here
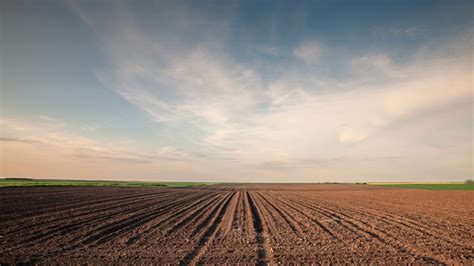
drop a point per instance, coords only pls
(322, 224)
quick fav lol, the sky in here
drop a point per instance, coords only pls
(237, 91)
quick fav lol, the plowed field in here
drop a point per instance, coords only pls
(236, 224)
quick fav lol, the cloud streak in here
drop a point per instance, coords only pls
(298, 116)
(57, 136)
(310, 52)
(305, 108)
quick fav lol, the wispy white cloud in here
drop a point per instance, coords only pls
(267, 49)
(58, 136)
(298, 117)
(310, 52)
(410, 32)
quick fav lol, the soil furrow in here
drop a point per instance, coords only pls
(87, 212)
(128, 224)
(182, 212)
(202, 225)
(384, 238)
(72, 226)
(295, 228)
(404, 223)
(234, 223)
(323, 227)
(264, 252)
(208, 235)
(79, 203)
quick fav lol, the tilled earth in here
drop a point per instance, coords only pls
(328, 223)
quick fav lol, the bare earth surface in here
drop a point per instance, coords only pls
(245, 224)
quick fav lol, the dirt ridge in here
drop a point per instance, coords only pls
(248, 224)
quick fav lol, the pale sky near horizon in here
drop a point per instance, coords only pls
(249, 91)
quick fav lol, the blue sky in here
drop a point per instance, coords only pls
(270, 91)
